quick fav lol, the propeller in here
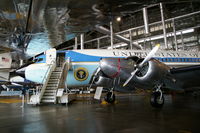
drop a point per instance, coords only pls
(146, 59)
(95, 74)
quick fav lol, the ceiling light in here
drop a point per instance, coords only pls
(118, 19)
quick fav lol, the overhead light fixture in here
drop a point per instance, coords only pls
(118, 19)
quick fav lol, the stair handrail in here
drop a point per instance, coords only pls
(49, 66)
(65, 67)
(45, 80)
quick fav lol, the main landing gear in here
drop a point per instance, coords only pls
(157, 98)
(110, 97)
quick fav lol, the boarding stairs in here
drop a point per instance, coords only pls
(52, 83)
(49, 95)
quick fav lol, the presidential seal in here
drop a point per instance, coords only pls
(81, 74)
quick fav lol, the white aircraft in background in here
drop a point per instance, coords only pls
(5, 66)
(123, 70)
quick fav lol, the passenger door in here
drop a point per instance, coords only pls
(50, 56)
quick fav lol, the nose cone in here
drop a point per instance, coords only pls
(21, 72)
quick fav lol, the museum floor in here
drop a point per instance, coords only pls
(131, 114)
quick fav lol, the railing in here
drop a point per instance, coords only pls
(11, 93)
(45, 80)
(65, 67)
(175, 30)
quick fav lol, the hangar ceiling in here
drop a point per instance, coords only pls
(34, 25)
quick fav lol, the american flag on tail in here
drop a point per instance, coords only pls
(5, 59)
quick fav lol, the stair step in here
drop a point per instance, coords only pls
(52, 85)
(54, 80)
(48, 101)
(54, 76)
(48, 97)
(50, 90)
(49, 94)
(55, 73)
(58, 68)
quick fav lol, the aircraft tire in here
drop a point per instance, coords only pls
(155, 100)
(110, 97)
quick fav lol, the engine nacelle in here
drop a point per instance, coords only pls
(103, 81)
(151, 74)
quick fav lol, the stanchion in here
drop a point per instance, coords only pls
(22, 101)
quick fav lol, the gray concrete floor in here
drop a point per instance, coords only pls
(132, 114)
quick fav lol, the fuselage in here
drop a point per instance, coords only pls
(88, 61)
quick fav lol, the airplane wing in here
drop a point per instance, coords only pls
(187, 77)
(185, 69)
(4, 49)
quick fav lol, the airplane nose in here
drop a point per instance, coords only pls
(21, 72)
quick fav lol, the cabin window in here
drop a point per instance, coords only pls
(193, 60)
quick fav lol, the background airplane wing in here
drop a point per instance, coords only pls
(188, 69)
(187, 77)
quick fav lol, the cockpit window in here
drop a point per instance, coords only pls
(38, 59)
